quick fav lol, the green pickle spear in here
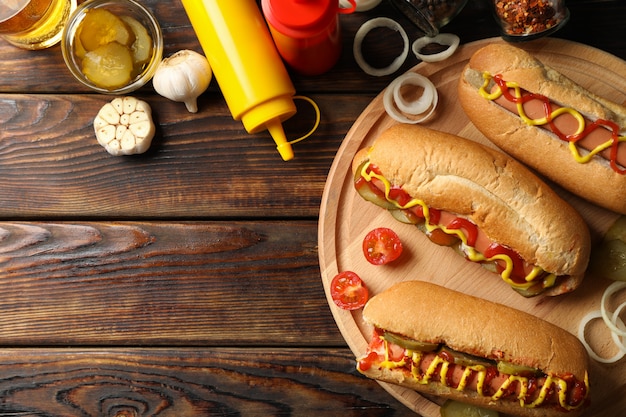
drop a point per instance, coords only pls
(453, 408)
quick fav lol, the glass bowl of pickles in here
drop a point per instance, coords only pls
(112, 47)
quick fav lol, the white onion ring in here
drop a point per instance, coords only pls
(620, 323)
(426, 99)
(361, 5)
(597, 314)
(393, 101)
(612, 289)
(449, 39)
(358, 41)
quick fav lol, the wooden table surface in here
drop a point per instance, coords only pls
(185, 281)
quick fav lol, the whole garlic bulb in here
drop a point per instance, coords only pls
(182, 77)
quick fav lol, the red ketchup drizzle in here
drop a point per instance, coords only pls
(548, 109)
(490, 374)
(532, 387)
(469, 229)
(435, 215)
(372, 357)
(367, 362)
(517, 274)
(399, 195)
(577, 391)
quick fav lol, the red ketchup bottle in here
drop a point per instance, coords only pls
(306, 32)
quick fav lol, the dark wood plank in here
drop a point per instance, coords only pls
(189, 382)
(140, 283)
(202, 164)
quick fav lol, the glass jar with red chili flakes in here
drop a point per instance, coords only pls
(522, 20)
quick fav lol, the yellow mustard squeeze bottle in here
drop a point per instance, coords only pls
(251, 75)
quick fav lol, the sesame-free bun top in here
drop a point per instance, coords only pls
(431, 313)
(595, 180)
(511, 205)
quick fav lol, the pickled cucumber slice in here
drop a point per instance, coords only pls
(142, 46)
(512, 369)
(79, 49)
(109, 66)
(465, 359)
(409, 343)
(100, 27)
(453, 408)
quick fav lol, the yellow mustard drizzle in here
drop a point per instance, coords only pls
(470, 251)
(389, 364)
(416, 358)
(438, 360)
(551, 382)
(523, 384)
(517, 93)
(480, 384)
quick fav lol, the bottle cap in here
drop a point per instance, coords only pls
(269, 115)
(301, 18)
(275, 128)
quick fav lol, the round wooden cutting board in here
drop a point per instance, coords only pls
(345, 218)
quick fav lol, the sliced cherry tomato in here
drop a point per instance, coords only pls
(348, 291)
(381, 246)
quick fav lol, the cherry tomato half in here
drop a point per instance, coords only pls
(381, 246)
(348, 291)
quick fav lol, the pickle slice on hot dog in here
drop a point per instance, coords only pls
(492, 208)
(530, 369)
(547, 121)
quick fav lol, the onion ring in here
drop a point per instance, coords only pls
(358, 42)
(393, 101)
(619, 322)
(612, 289)
(426, 99)
(449, 39)
(597, 314)
(361, 5)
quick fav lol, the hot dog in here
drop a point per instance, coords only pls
(548, 122)
(479, 200)
(445, 343)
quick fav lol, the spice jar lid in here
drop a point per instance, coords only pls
(420, 15)
(300, 18)
(429, 15)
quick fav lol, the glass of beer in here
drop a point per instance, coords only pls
(34, 24)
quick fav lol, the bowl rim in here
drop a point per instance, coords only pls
(67, 44)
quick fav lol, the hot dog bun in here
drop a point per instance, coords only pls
(428, 312)
(536, 146)
(507, 202)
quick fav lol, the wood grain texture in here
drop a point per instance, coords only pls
(140, 283)
(188, 382)
(200, 165)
